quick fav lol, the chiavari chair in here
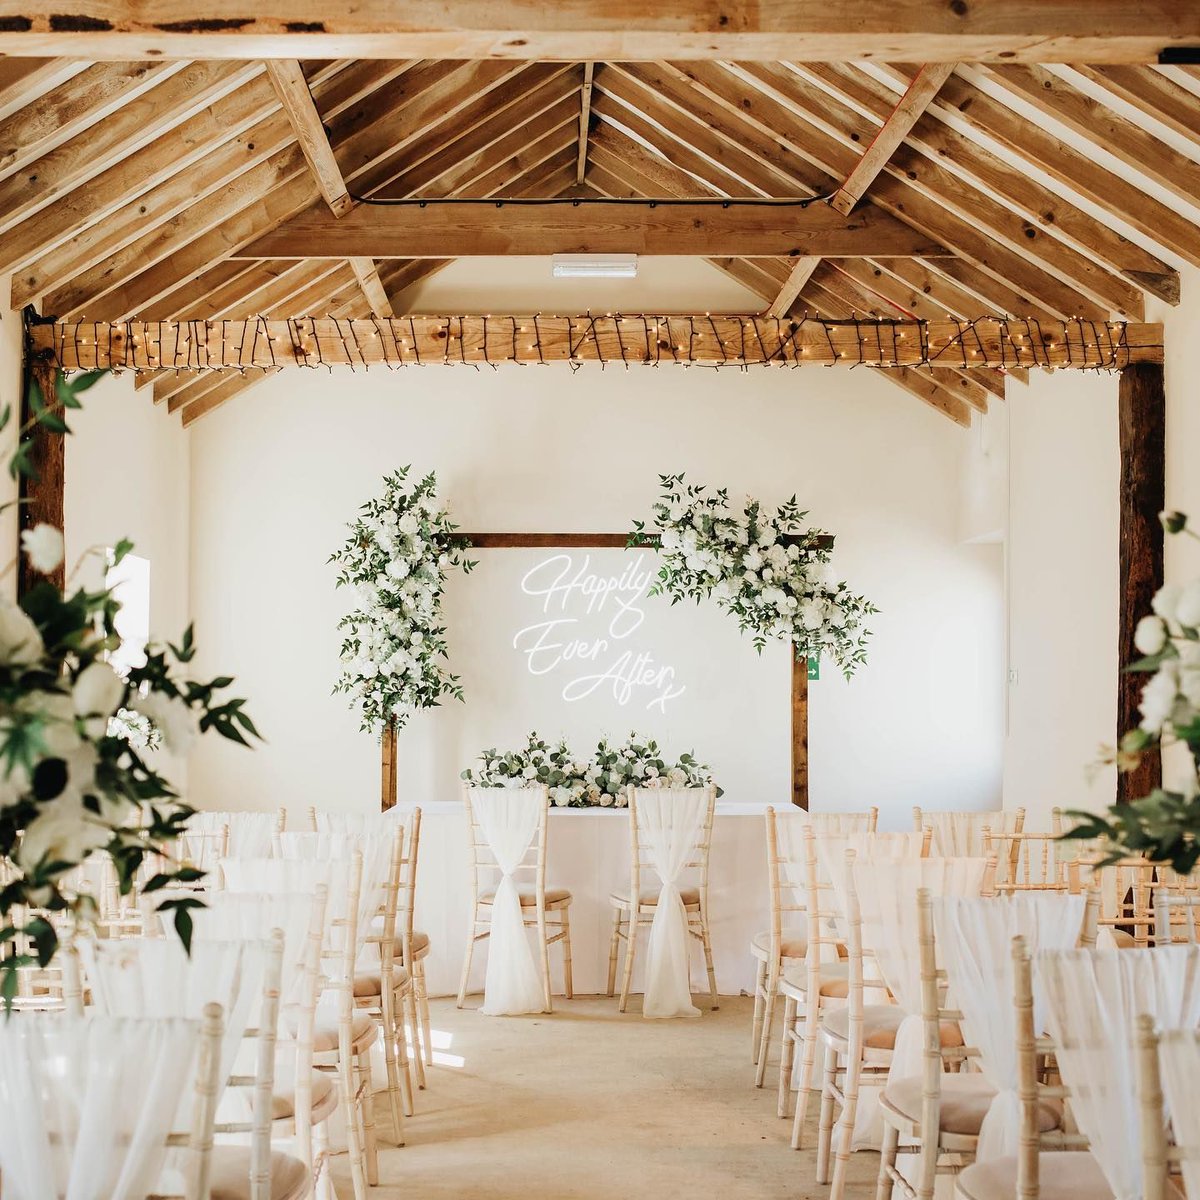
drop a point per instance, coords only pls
(968, 834)
(1032, 861)
(544, 908)
(1168, 1063)
(1176, 906)
(785, 943)
(634, 907)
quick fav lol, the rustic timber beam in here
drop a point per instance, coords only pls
(633, 338)
(798, 276)
(433, 229)
(894, 130)
(1093, 31)
(1142, 434)
(43, 488)
(585, 121)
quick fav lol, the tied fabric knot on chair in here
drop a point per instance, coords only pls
(512, 985)
(672, 821)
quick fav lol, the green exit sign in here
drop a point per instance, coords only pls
(814, 668)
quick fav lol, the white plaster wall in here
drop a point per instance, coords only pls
(277, 473)
(1062, 591)
(127, 477)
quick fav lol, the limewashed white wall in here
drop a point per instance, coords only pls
(277, 473)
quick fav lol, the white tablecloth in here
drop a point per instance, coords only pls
(588, 852)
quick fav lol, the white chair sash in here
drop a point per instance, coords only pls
(156, 977)
(887, 899)
(1093, 999)
(250, 833)
(867, 847)
(974, 944)
(1179, 1063)
(88, 1104)
(960, 834)
(671, 821)
(509, 820)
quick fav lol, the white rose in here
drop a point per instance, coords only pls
(13, 785)
(622, 800)
(1187, 608)
(606, 799)
(20, 641)
(561, 797)
(398, 568)
(529, 773)
(173, 718)
(408, 524)
(1189, 685)
(98, 691)
(63, 831)
(59, 734)
(1158, 698)
(1150, 636)
(752, 561)
(1165, 600)
(43, 546)
(670, 540)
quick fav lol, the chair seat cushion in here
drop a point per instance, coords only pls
(689, 895)
(231, 1175)
(325, 1030)
(283, 1098)
(368, 983)
(793, 943)
(835, 981)
(880, 1023)
(966, 1098)
(1062, 1175)
(554, 895)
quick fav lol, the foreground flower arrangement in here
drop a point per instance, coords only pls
(1165, 825)
(396, 559)
(598, 782)
(78, 801)
(740, 555)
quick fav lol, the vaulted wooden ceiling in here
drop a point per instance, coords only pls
(127, 189)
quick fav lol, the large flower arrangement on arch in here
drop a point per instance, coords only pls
(396, 559)
(762, 566)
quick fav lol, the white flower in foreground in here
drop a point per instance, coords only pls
(1165, 600)
(172, 717)
(98, 691)
(43, 546)
(1150, 636)
(1158, 698)
(13, 785)
(20, 641)
(1187, 608)
(63, 831)
(562, 797)
(408, 524)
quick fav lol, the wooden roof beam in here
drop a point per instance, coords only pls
(892, 132)
(798, 277)
(1151, 93)
(585, 121)
(1097, 31)
(463, 230)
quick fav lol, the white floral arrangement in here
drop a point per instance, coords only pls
(396, 560)
(759, 564)
(598, 782)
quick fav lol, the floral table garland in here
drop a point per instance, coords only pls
(600, 781)
(759, 564)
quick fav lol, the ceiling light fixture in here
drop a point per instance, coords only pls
(595, 266)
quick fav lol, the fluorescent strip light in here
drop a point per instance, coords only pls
(595, 266)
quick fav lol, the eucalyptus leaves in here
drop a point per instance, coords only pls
(396, 560)
(746, 557)
(598, 782)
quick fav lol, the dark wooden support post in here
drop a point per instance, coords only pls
(41, 491)
(800, 731)
(388, 772)
(1142, 422)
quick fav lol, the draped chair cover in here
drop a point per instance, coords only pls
(1093, 999)
(88, 1103)
(670, 820)
(156, 977)
(867, 847)
(250, 833)
(509, 819)
(974, 944)
(362, 823)
(960, 834)
(376, 851)
(887, 898)
(1179, 1063)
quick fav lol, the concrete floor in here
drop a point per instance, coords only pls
(588, 1104)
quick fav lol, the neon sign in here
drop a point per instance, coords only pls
(600, 660)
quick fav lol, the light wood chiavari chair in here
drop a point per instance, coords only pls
(1033, 861)
(546, 909)
(785, 943)
(1176, 907)
(630, 916)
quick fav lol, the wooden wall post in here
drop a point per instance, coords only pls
(799, 731)
(41, 491)
(1142, 434)
(388, 769)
